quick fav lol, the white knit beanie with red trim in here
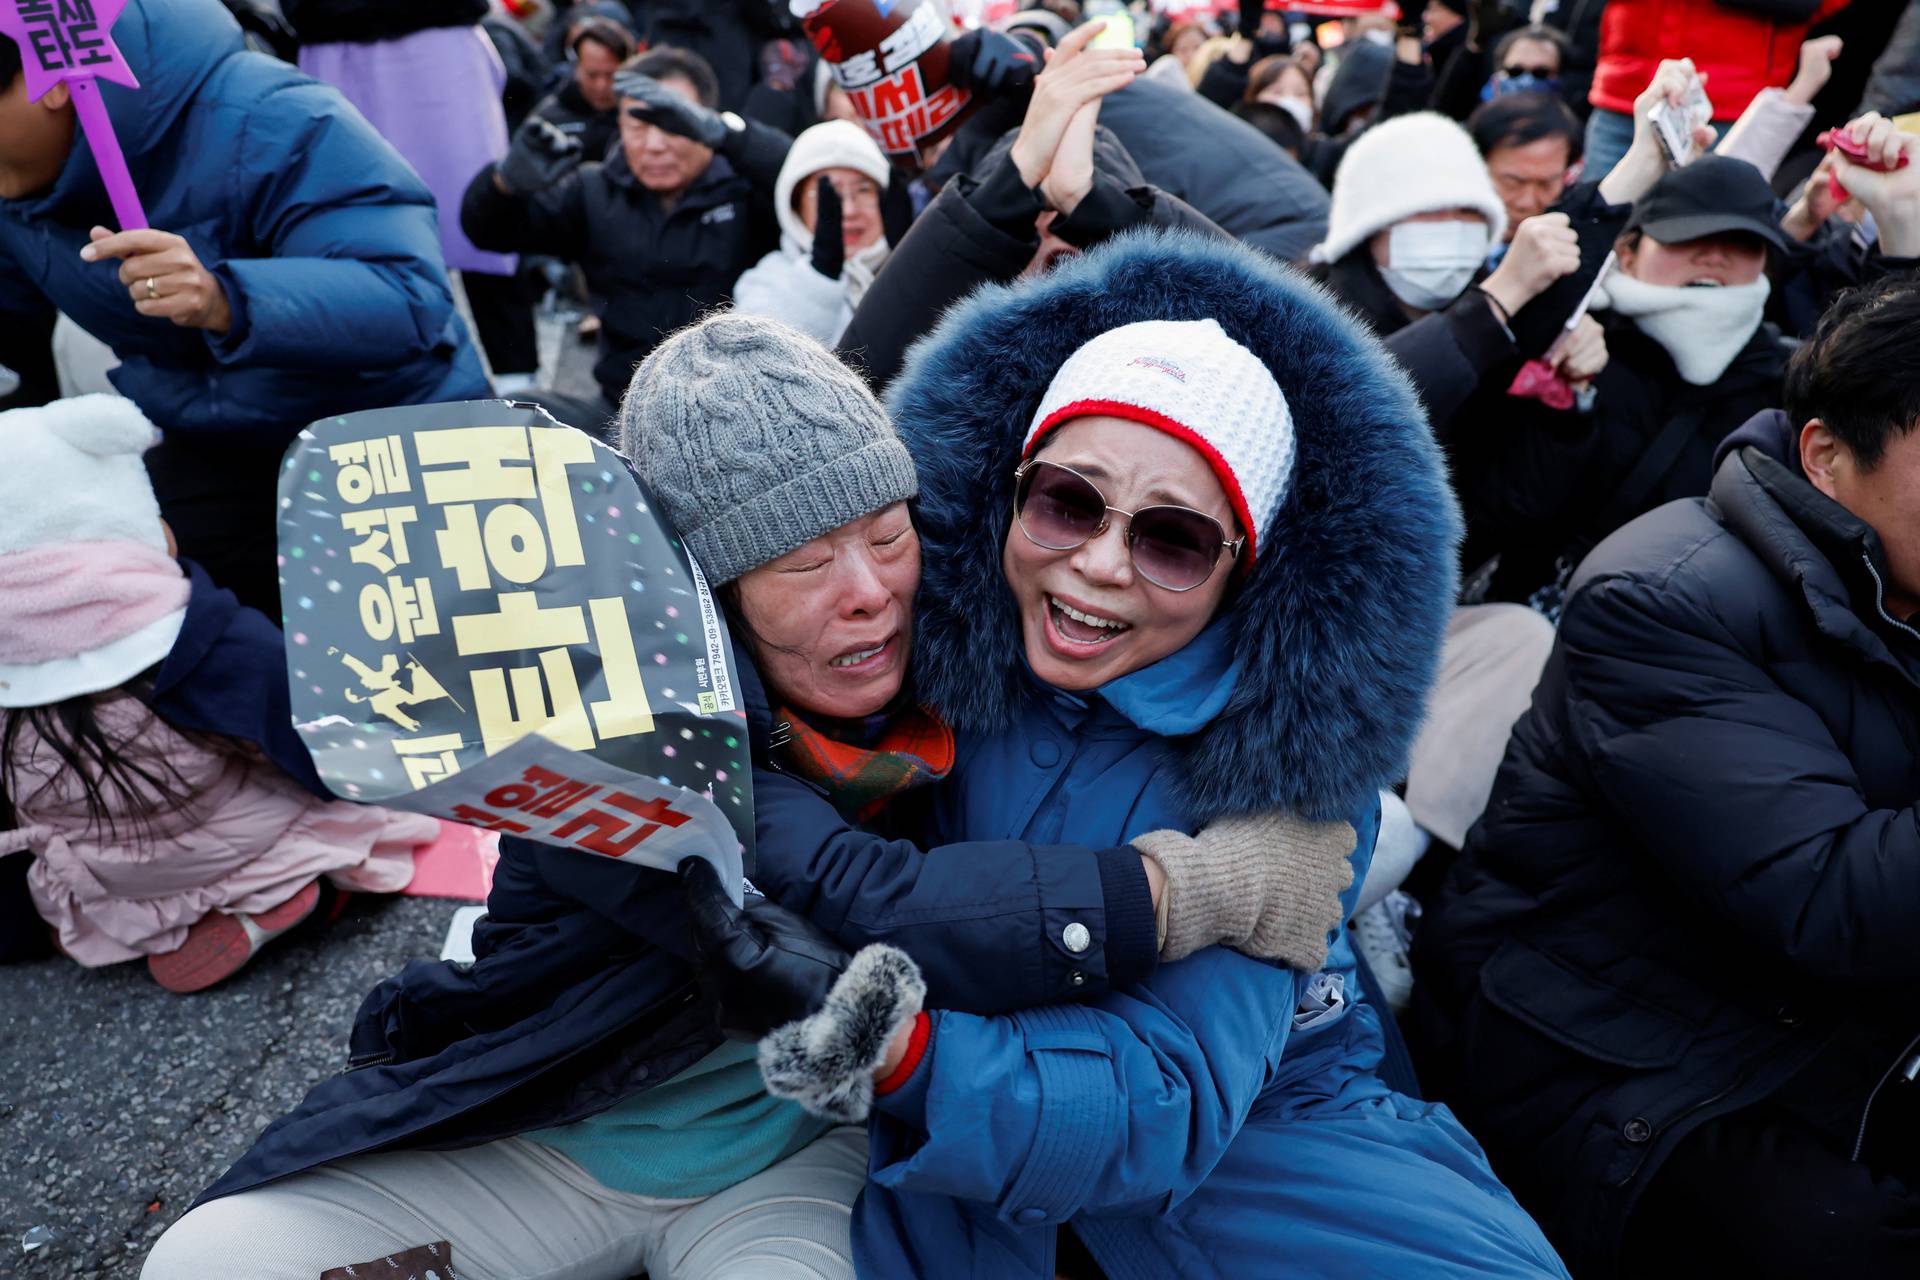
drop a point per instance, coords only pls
(1191, 380)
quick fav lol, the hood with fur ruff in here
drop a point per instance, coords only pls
(1337, 629)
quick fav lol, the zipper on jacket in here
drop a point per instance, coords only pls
(1880, 598)
(1903, 1059)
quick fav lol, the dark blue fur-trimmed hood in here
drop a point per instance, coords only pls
(1338, 627)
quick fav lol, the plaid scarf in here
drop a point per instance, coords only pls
(911, 748)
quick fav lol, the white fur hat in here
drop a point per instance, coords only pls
(74, 474)
(834, 144)
(89, 596)
(1421, 163)
(1191, 380)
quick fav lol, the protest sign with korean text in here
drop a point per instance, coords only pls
(487, 621)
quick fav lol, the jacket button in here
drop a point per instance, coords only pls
(1077, 978)
(1787, 1016)
(1076, 938)
(1030, 1217)
(1637, 1130)
(1045, 753)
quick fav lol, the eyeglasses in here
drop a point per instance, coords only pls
(1175, 548)
(1538, 73)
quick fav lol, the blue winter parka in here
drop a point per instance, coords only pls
(323, 238)
(1303, 694)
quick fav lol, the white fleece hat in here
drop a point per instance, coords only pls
(1192, 381)
(1421, 163)
(833, 144)
(89, 597)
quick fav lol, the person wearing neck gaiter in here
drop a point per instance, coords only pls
(1689, 357)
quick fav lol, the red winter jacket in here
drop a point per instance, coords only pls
(1742, 50)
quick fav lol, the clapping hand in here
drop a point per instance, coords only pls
(1063, 108)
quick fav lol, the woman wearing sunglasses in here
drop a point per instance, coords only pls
(1188, 552)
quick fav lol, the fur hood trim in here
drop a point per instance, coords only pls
(1337, 629)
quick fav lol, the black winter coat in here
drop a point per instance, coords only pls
(1541, 487)
(1221, 165)
(659, 270)
(1701, 859)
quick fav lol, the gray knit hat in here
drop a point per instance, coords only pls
(758, 440)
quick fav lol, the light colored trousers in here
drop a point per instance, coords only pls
(516, 1210)
(1491, 661)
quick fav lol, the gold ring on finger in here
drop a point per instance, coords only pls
(151, 291)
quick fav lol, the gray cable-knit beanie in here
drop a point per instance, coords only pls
(758, 440)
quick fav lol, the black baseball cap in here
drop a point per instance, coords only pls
(1711, 196)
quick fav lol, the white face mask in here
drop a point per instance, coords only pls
(1703, 327)
(1429, 264)
(1299, 108)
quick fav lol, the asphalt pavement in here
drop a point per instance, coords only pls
(119, 1102)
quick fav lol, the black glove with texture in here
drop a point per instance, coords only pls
(540, 156)
(829, 240)
(765, 965)
(679, 115)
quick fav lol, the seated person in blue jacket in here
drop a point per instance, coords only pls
(1197, 564)
(666, 1152)
(292, 269)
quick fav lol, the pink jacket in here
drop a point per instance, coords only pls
(246, 841)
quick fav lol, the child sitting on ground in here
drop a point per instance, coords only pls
(147, 758)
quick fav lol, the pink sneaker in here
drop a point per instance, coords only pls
(219, 945)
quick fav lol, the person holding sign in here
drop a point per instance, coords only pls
(289, 268)
(818, 564)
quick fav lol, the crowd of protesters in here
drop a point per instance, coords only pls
(1330, 613)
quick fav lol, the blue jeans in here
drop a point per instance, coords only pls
(1609, 134)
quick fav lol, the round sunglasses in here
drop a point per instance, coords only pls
(1174, 548)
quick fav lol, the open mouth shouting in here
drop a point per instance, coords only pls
(1076, 633)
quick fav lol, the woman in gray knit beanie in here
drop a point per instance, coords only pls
(789, 485)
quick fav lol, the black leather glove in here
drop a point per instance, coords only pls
(896, 208)
(670, 111)
(993, 62)
(540, 156)
(765, 965)
(829, 240)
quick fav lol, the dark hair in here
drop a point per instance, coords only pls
(1857, 373)
(1269, 69)
(71, 729)
(9, 63)
(664, 62)
(605, 32)
(1518, 119)
(1276, 122)
(1534, 31)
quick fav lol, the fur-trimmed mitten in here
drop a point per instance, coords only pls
(825, 1061)
(1266, 885)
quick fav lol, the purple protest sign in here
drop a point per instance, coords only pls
(72, 40)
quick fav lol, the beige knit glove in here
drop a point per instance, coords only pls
(1267, 885)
